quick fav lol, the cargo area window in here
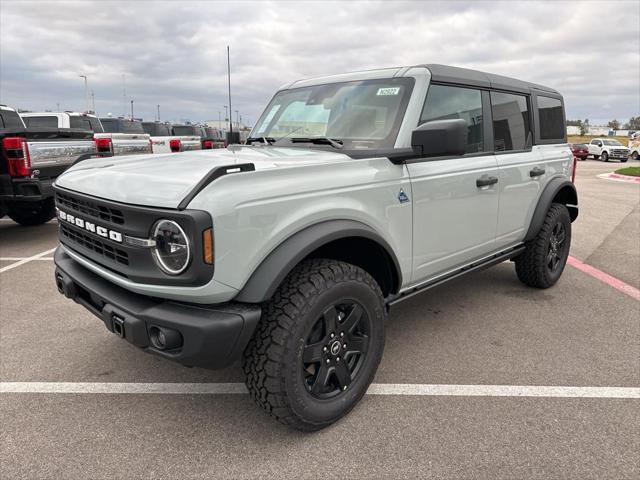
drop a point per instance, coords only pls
(551, 118)
(44, 121)
(511, 122)
(445, 102)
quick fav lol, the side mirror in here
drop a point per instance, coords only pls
(440, 137)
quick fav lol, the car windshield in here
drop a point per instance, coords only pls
(612, 143)
(361, 114)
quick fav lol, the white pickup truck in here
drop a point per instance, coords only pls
(164, 141)
(113, 136)
(608, 149)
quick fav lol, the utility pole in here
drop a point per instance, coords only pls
(131, 110)
(219, 120)
(237, 120)
(93, 103)
(226, 117)
(124, 96)
(158, 112)
(229, 78)
(58, 104)
(86, 93)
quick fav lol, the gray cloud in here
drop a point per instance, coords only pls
(174, 53)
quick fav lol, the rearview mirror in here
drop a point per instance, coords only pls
(440, 137)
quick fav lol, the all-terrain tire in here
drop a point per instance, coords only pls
(273, 360)
(533, 265)
(605, 157)
(32, 213)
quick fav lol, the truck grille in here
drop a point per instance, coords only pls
(87, 207)
(619, 151)
(99, 247)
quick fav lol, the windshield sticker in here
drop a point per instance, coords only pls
(388, 91)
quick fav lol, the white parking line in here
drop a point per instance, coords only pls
(374, 389)
(13, 259)
(26, 260)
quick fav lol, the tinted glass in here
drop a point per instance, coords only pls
(86, 123)
(612, 143)
(511, 123)
(551, 118)
(185, 130)
(9, 119)
(156, 129)
(110, 125)
(444, 103)
(44, 121)
(128, 126)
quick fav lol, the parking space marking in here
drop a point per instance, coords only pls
(13, 259)
(26, 260)
(604, 277)
(374, 389)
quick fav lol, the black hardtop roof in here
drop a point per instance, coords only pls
(448, 74)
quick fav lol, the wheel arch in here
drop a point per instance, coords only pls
(343, 240)
(558, 190)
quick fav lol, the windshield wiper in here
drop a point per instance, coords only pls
(334, 142)
(265, 140)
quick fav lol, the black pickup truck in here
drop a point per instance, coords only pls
(30, 161)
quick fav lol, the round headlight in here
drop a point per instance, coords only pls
(172, 252)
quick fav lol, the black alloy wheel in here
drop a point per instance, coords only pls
(335, 349)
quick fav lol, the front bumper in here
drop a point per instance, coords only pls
(213, 336)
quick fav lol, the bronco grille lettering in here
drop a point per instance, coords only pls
(90, 227)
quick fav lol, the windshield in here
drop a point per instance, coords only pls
(362, 114)
(612, 143)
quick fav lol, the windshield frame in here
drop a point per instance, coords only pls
(386, 143)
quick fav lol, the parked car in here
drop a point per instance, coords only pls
(163, 140)
(114, 136)
(579, 150)
(354, 192)
(634, 145)
(31, 158)
(608, 149)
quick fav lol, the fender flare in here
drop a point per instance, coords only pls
(553, 188)
(266, 278)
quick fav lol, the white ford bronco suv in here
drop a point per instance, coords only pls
(353, 193)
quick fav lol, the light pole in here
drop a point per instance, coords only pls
(237, 120)
(158, 112)
(93, 103)
(226, 116)
(219, 120)
(131, 110)
(58, 104)
(86, 93)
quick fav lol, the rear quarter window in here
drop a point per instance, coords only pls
(86, 123)
(551, 118)
(9, 119)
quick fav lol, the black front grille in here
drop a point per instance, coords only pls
(87, 241)
(89, 208)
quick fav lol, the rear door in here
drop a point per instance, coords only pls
(455, 199)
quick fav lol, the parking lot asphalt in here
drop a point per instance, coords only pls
(485, 329)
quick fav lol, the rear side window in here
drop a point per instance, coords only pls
(110, 125)
(551, 118)
(444, 102)
(10, 119)
(511, 122)
(44, 121)
(185, 130)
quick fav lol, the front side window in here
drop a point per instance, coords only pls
(444, 103)
(511, 122)
(361, 114)
(551, 118)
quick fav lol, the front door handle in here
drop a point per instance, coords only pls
(485, 181)
(536, 172)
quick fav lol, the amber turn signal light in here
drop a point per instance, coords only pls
(207, 246)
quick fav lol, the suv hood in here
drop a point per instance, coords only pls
(164, 180)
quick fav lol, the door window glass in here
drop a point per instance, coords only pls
(511, 123)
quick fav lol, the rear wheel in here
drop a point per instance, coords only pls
(605, 157)
(634, 156)
(318, 344)
(596, 157)
(544, 258)
(32, 213)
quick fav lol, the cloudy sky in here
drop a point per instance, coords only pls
(174, 53)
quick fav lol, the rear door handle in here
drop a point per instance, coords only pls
(536, 172)
(485, 181)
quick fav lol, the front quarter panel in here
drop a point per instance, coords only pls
(255, 212)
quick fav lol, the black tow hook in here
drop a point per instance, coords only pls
(118, 325)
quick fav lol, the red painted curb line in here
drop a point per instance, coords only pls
(619, 285)
(624, 178)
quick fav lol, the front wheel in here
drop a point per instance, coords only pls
(318, 344)
(605, 157)
(634, 156)
(545, 257)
